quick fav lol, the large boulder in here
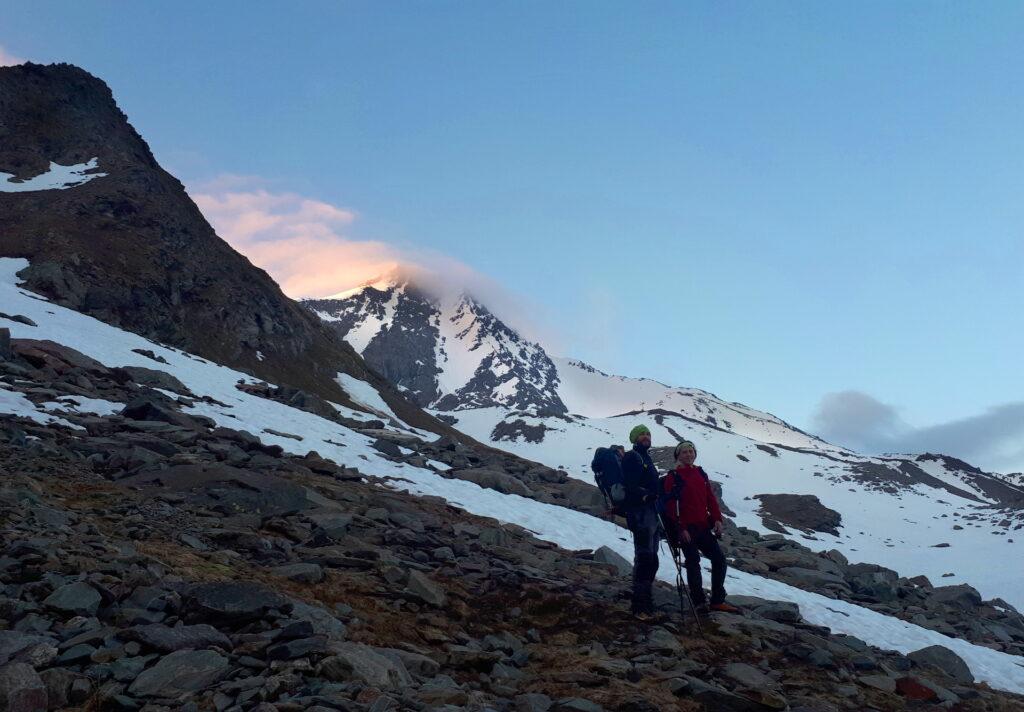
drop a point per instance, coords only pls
(78, 598)
(232, 601)
(605, 555)
(493, 479)
(156, 379)
(146, 408)
(361, 663)
(166, 639)
(945, 660)
(181, 672)
(960, 596)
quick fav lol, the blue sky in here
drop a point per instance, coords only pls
(780, 203)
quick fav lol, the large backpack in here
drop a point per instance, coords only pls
(608, 477)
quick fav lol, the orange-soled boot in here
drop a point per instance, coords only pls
(724, 607)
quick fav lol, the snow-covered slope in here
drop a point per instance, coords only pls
(231, 407)
(929, 514)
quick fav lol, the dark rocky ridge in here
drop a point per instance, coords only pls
(133, 250)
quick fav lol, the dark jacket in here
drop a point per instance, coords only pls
(640, 477)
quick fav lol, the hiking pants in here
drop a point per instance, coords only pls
(702, 541)
(643, 523)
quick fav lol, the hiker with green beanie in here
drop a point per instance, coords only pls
(640, 478)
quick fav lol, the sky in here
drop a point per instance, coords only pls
(813, 208)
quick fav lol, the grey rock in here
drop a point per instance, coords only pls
(21, 689)
(156, 379)
(426, 590)
(13, 642)
(78, 598)
(606, 555)
(361, 663)
(746, 676)
(321, 620)
(495, 480)
(76, 654)
(961, 596)
(181, 672)
(662, 641)
(414, 662)
(233, 601)
(714, 697)
(166, 639)
(333, 524)
(300, 648)
(812, 577)
(302, 573)
(878, 682)
(944, 660)
(444, 691)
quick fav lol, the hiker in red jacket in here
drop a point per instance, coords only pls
(694, 521)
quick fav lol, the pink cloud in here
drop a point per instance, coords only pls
(298, 240)
(302, 244)
(9, 60)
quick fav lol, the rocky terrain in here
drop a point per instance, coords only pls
(132, 249)
(152, 561)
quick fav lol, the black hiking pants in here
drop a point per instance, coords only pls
(703, 541)
(643, 523)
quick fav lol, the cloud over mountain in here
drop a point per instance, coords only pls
(303, 243)
(993, 439)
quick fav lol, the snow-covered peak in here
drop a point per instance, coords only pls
(445, 351)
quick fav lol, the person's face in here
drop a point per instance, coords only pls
(644, 439)
(687, 456)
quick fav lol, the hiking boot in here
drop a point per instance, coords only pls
(702, 609)
(724, 607)
(643, 616)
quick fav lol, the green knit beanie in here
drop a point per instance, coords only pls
(637, 432)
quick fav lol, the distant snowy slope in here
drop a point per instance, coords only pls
(595, 394)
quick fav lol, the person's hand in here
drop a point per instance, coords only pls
(685, 537)
(718, 528)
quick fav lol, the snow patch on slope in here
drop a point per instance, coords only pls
(57, 177)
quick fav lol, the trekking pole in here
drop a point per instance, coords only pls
(684, 592)
(681, 588)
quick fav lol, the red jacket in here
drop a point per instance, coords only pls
(696, 504)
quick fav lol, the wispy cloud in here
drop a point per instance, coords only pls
(9, 60)
(304, 245)
(993, 440)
